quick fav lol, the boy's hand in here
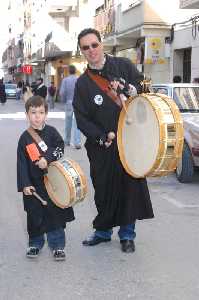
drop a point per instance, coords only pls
(42, 163)
(27, 190)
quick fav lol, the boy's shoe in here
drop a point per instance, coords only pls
(59, 254)
(32, 252)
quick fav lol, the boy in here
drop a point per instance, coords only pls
(41, 219)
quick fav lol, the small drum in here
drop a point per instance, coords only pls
(65, 183)
(150, 135)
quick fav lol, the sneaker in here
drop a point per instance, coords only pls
(59, 254)
(32, 252)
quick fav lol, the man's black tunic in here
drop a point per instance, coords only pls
(120, 199)
(40, 218)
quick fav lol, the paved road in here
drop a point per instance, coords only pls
(164, 266)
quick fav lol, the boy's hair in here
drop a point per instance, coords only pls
(36, 101)
(88, 31)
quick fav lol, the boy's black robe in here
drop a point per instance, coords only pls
(120, 199)
(40, 218)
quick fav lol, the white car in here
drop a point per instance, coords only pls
(11, 90)
(186, 96)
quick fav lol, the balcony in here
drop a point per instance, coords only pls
(194, 4)
(61, 6)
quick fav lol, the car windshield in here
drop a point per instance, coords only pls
(187, 98)
(10, 86)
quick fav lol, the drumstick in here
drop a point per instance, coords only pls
(39, 198)
(123, 99)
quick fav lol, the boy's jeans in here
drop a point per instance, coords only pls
(56, 240)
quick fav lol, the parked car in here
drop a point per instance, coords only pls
(10, 89)
(186, 96)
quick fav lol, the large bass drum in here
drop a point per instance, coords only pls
(150, 135)
(65, 183)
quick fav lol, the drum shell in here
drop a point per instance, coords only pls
(65, 183)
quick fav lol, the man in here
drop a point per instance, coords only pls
(40, 89)
(67, 93)
(120, 199)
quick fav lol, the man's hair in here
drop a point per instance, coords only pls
(36, 101)
(71, 69)
(88, 31)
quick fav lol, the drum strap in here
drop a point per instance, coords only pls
(42, 145)
(105, 86)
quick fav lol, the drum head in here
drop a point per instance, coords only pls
(57, 186)
(138, 139)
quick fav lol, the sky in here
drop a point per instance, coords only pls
(3, 28)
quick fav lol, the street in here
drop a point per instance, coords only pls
(165, 265)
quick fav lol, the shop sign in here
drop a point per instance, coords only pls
(154, 50)
(27, 69)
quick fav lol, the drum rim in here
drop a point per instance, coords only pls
(69, 182)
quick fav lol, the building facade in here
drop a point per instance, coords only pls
(160, 37)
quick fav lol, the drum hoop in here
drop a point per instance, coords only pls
(162, 137)
(81, 176)
(69, 182)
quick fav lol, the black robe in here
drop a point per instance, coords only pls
(40, 219)
(120, 199)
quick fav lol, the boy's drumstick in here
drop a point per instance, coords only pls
(39, 198)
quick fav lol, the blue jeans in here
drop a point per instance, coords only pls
(70, 123)
(56, 240)
(126, 232)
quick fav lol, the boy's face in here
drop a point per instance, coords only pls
(37, 116)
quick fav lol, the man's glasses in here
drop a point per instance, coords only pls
(91, 46)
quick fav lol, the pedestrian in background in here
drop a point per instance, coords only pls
(19, 90)
(51, 95)
(67, 94)
(2, 92)
(32, 161)
(40, 89)
(27, 92)
(120, 198)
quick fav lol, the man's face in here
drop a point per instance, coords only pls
(92, 49)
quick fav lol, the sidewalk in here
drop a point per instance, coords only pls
(13, 105)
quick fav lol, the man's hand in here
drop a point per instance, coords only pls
(27, 190)
(110, 138)
(42, 163)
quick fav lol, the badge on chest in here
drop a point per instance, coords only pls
(98, 99)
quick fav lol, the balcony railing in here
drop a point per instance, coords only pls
(105, 21)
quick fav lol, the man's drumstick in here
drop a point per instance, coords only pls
(123, 99)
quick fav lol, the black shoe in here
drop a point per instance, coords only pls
(59, 254)
(32, 252)
(127, 246)
(95, 240)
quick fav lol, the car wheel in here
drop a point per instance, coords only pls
(185, 167)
